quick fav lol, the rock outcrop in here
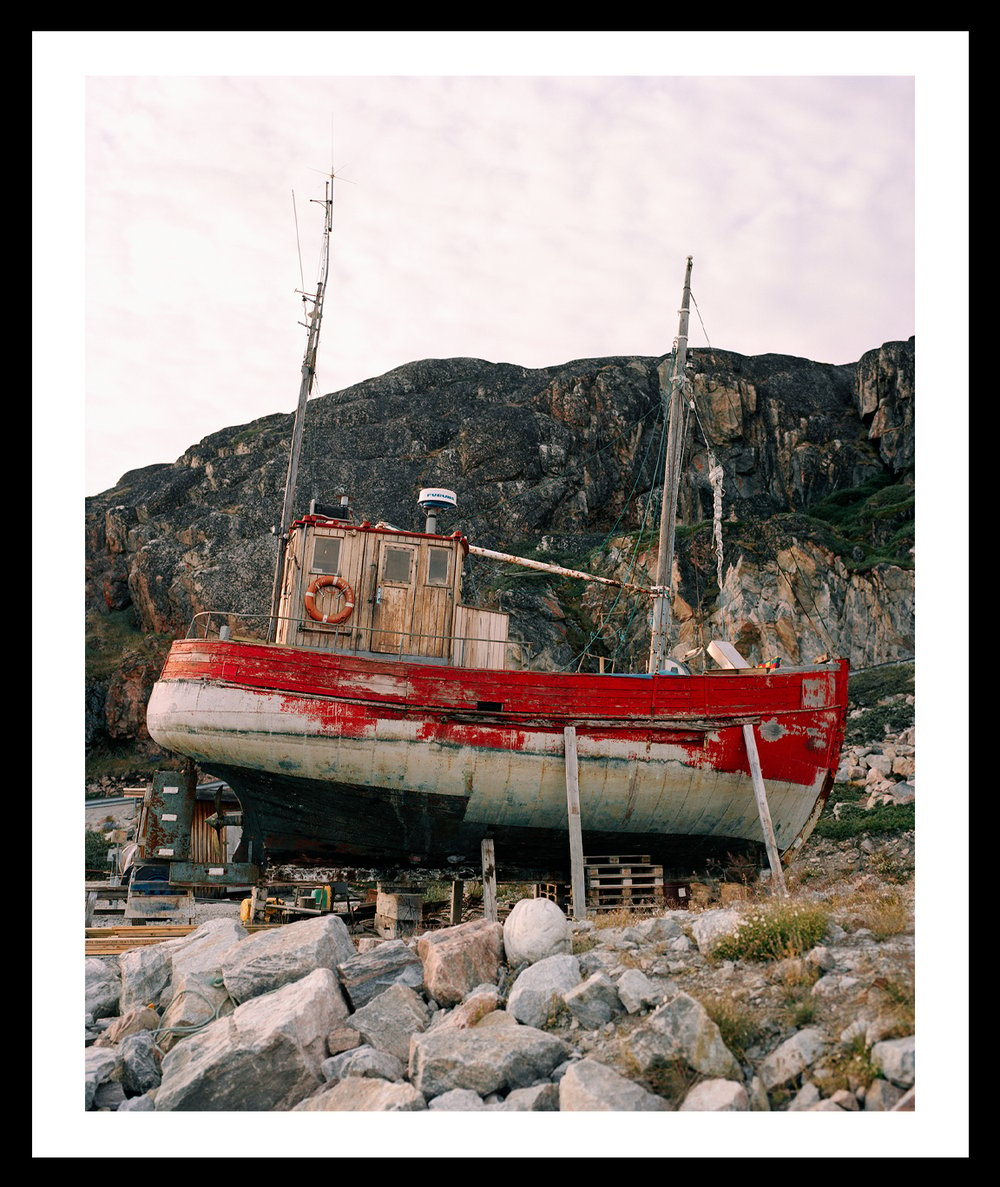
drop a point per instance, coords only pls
(562, 460)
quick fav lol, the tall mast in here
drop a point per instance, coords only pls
(671, 483)
(314, 316)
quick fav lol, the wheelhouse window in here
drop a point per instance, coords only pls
(396, 565)
(437, 566)
(326, 554)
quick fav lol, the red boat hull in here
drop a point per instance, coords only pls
(355, 762)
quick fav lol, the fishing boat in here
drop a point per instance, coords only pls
(385, 723)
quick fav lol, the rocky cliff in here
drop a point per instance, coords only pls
(795, 511)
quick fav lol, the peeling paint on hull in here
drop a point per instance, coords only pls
(366, 762)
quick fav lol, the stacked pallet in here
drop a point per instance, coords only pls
(556, 892)
(622, 882)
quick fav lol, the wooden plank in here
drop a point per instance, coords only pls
(489, 881)
(763, 811)
(628, 859)
(726, 655)
(575, 826)
(648, 882)
(594, 872)
(455, 908)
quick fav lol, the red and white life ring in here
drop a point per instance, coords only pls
(338, 583)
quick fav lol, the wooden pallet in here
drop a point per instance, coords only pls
(622, 885)
(556, 892)
(625, 859)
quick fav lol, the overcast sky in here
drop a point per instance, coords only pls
(518, 197)
(529, 218)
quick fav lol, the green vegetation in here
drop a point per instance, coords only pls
(121, 760)
(869, 524)
(865, 689)
(849, 1066)
(513, 576)
(775, 930)
(871, 725)
(95, 854)
(884, 911)
(111, 637)
(108, 637)
(800, 1008)
(738, 1025)
(855, 820)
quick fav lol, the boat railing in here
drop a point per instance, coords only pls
(376, 642)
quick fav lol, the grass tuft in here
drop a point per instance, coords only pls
(775, 930)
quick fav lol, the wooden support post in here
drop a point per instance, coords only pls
(456, 902)
(575, 828)
(489, 882)
(763, 811)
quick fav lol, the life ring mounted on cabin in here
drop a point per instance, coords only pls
(345, 611)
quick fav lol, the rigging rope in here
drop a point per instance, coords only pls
(715, 476)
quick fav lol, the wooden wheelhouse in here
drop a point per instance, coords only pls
(380, 591)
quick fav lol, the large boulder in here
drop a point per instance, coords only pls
(269, 959)
(538, 993)
(102, 987)
(681, 1030)
(485, 1059)
(266, 1055)
(457, 959)
(534, 929)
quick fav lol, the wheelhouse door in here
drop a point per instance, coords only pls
(392, 617)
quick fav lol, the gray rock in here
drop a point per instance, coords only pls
(284, 1032)
(100, 1065)
(637, 992)
(540, 1098)
(483, 1059)
(204, 951)
(268, 960)
(197, 1000)
(660, 928)
(389, 1020)
(342, 1038)
(457, 959)
(109, 1097)
(710, 927)
(539, 990)
(146, 974)
(360, 1095)
(535, 929)
(681, 1029)
(367, 974)
(716, 1096)
(594, 1001)
(457, 1100)
(363, 1061)
(791, 1058)
(590, 1086)
(140, 1063)
(882, 1096)
(102, 987)
(138, 1104)
(895, 1059)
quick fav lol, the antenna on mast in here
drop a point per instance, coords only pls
(314, 318)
